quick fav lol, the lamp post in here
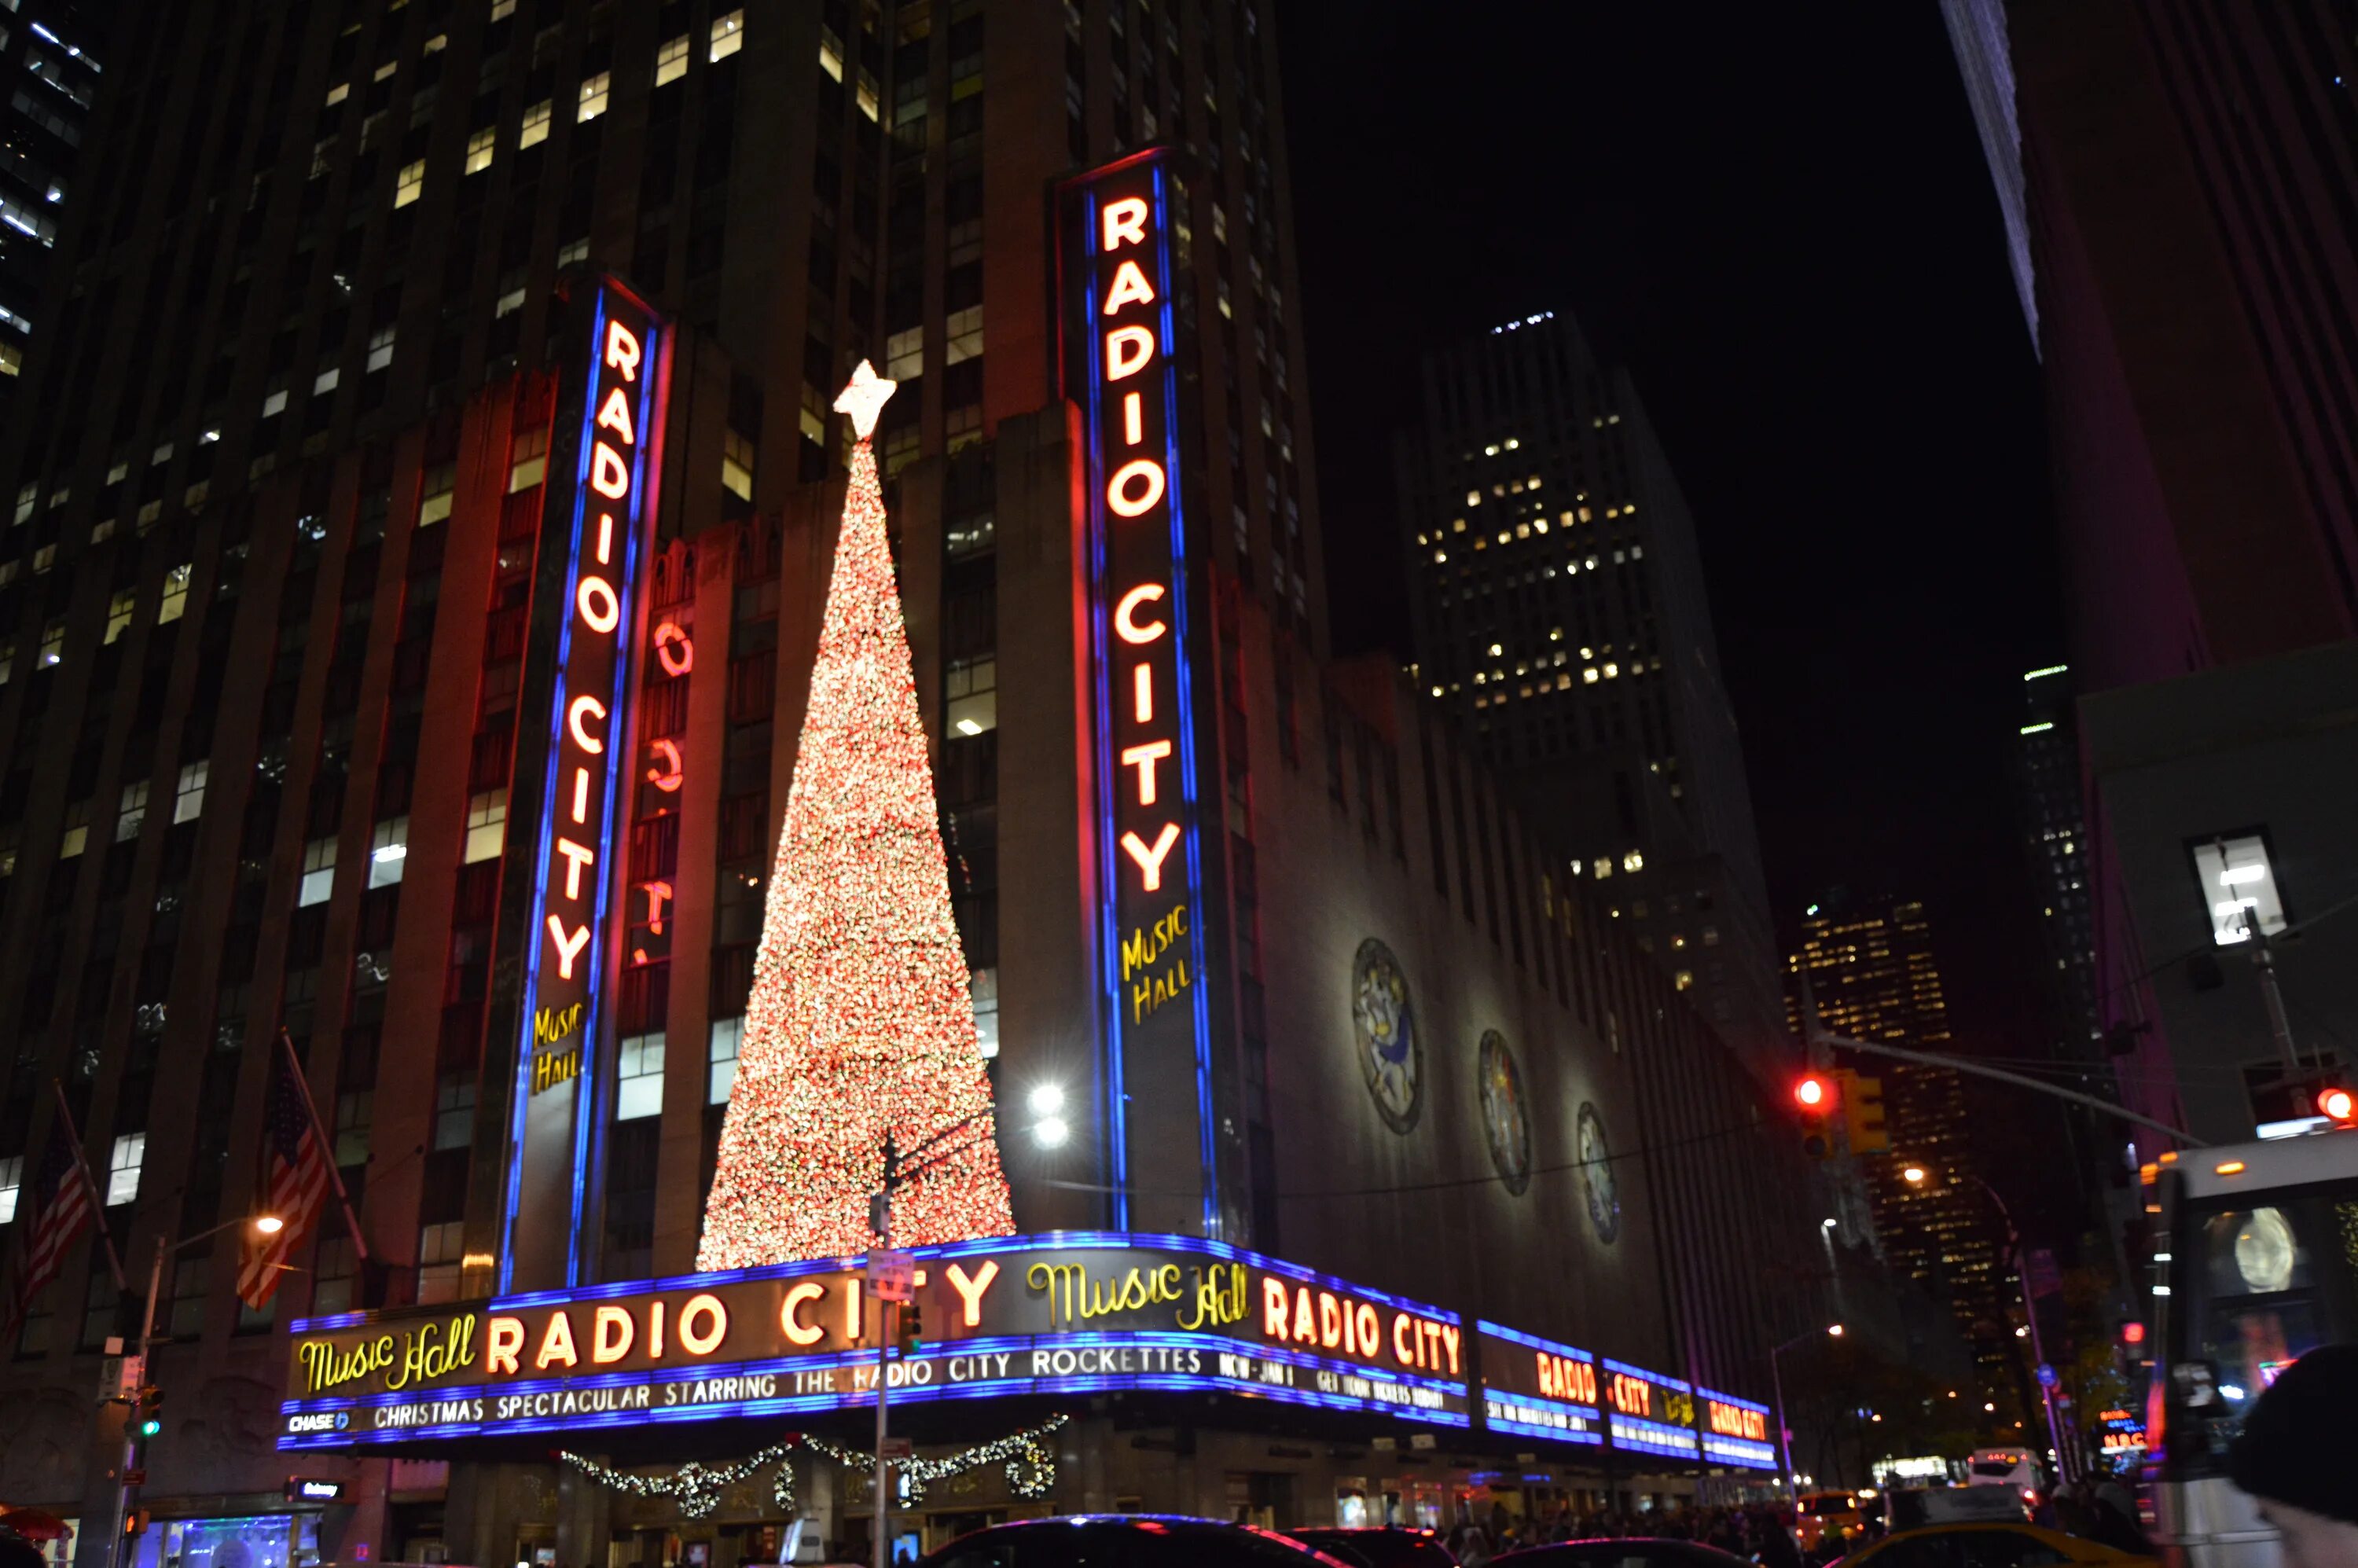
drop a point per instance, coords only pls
(1049, 1131)
(1785, 1433)
(1916, 1176)
(263, 1224)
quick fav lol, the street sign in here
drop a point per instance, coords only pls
(1420, 1441)
(891, 1275)
(897, 1448)
(2047, 1377)
(135, 1478)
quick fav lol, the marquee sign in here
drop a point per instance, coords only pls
(1072, 1313)
(1120, 353)
(1536, 1388)
(602, 522)
(1736, 1431)
(1648, 1412)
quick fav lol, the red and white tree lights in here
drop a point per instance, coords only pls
(860, 1024)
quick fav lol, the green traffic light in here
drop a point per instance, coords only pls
(150, 1427)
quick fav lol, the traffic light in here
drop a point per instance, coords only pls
(913, 1328)
(1814, 1097)
(1862, 1108)
(2338, 1105)
(135, 1522)
(148, 1412)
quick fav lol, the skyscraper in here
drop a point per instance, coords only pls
(2055, 841)
(2183, 164)
(1868, 967)
(51, 77)
(1559, 611)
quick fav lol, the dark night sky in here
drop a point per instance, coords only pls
(1779, 217)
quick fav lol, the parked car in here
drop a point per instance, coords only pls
(1126, 1540)
(1629, 1551)
(1990, 1546)
(1380, 1546)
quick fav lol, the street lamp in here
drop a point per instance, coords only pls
(1776, 1381)
(1916, 1176)
(134, 1429)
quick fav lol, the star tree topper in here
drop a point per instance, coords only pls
(865, 398)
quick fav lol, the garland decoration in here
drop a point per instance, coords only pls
(1030, 1458)
(697, 1486)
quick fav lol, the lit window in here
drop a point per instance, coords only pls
(454, 1111)
(728, 34)
(720, 1056)
(529, 465)
(132, 815)
(965, 335)
(434, 506)
(1603, 868)
(503, 9)
(319, 872)
(123, 1163)
(593, 95)
(1684, 978)
(76, 837)
(380, 349)
(671, 60)
(736, 465)
(638, 1076)
(830, 52)
(118, 613)
(512, 301)
(12, 360)
(274, 403)
(480, 148)
(440, 1251)
(12, 1182)
(53, 645)
(487, 825)
(389, 851)
(971, 688)
(985, 986)
(175, 600)
(326, 381)
(2239, 885)
(1633, 861)
(573, 250)
(410, 184)
(189, 800)
(904, 354)
(534, 129)
(339, 92)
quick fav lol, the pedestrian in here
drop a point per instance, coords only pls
(2296, 1454)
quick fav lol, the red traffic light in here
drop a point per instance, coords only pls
(1811, 1092)
(2338, 1104)
(2133, 1333)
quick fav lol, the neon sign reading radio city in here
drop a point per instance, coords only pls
(601, 522)
(1122, 347)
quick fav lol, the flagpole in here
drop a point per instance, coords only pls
(327, 1149)
(90, 1185)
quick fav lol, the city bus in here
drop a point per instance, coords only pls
(2252, 1270)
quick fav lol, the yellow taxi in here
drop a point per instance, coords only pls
(1990, 1546)
(1821, 1514)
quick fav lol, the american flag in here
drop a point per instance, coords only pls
(60, 1213)
(293, 1182)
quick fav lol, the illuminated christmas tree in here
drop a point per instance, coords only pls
(860, 1024)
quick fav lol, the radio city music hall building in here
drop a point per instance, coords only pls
(420, 670)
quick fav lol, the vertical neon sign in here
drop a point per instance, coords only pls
(1121, 365)
(570, 933)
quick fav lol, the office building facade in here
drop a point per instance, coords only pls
(1868, 970)
(288, 678)
(50, 69)
(1559, 614)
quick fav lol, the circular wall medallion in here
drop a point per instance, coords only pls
(1384, 1021)
(1506, 1119)
(1596, 1175)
